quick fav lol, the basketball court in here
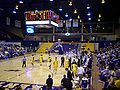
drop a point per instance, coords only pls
(12, 71)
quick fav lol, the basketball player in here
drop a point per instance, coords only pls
(66, 63)
(41, 59)
(74, 68)
(55, 65)
(32, 60)
(49, 61)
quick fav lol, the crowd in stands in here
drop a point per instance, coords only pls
(12, 50)
(108, 60)
(78, 70)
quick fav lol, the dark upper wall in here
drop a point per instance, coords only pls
(17, 31)
(117, 32)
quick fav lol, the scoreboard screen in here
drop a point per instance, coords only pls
(30, 29)
(41, 15)
(40, 21)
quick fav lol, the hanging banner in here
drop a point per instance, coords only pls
(17, 23)
(68, 23)
(60, 23)
(75, 22)
(7, 21)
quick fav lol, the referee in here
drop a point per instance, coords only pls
(24, 61)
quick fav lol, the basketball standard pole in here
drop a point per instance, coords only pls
(82, 33)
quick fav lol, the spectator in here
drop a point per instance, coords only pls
(69, 74)
(70, 63)
(69, 84)
(84, 82)
(11, 50)
(80, 72)
(64, 82)
(62, 61)
(117, 83)
(2, 88)
(117, 73)
(108, 62)
(49, 83)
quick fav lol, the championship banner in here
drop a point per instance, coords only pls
(68, 23)
(7, 21)
(60, 23)
(75, 22)
(17, 23)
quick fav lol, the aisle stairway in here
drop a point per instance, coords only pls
(96, 84)
(43, 46)
(88, 45)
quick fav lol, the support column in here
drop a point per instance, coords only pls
(96, 84)
(82, 39)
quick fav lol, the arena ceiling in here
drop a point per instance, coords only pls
(110, 10)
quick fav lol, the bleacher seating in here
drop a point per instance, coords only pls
(108, 59)
(11, 50)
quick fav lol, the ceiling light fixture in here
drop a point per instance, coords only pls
(103, 1)
(89, 18)
(90, 28)
(14, 11)
(80, 20)
(99, 15)
(89, 14)
(70, 19)
(16, 7)
(98, 19)
(21, 2)
(78, 17)
(60, 9)
(66, 15)
(51, 0)
(75, 11)
(70, 3)
(88, 7)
